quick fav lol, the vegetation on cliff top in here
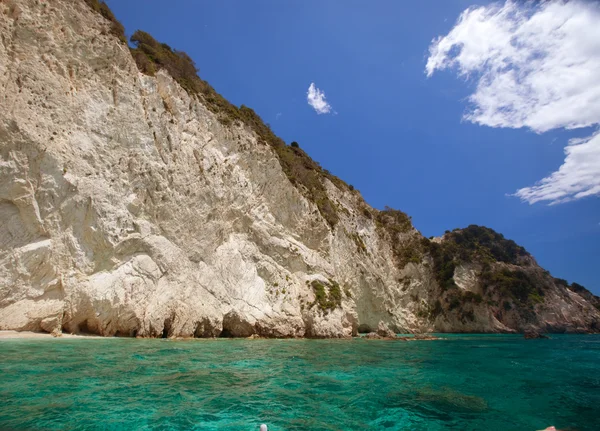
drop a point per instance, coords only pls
(102, 8)
(507, 273)
(485, 245)
(395, 227)
(471, 244)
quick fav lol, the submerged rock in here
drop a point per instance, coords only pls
(530, 335)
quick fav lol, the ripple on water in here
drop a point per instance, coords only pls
(464, 382)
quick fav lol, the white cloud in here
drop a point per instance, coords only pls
(578, 177)
(316, 99)
(537, 65)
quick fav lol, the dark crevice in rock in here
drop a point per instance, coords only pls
(167, 328)
(364, 329)
(225, 333)
(84, 328)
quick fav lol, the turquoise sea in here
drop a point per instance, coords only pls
(463, 382)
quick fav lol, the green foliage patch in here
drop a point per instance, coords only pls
(472, 244)
(517, 284)
(328, 296)
(116, 28)
(396, 227)
(443, 263)
(393, 221)
(484, 244)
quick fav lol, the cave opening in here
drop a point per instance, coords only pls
(225, 333)
(364, 329)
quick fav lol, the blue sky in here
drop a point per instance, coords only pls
(397, 135)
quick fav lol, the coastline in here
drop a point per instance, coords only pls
(11, 335)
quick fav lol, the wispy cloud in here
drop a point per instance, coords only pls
(578, 177)
(537, 65)
(316, 99)
(278, 115)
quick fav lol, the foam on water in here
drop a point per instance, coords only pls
(481, 382)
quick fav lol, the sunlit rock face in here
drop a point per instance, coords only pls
(127, 209)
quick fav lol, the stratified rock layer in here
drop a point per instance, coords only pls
(127, 209)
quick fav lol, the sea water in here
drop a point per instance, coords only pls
(474, 382)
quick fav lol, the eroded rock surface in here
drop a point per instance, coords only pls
(127, 209)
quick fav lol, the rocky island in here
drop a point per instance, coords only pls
(136, 201)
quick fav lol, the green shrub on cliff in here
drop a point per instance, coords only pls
(516, 284)
(328, 296)
(395, 227)
(394, 221)
(484, 244)
(471, 244)
(102, 8)
(443, 263)
(161, 56)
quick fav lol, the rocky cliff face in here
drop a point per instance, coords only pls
(128, 207)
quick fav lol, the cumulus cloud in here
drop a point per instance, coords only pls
(536, 65)
(316, 99)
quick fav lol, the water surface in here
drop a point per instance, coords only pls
(485, 382)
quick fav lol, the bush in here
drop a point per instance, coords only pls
(535, 298)
(578, 288)
(295, 145)
(335, 293)
(116, 28)
(394, 221)
(472, 244)
(472, 297)
(458, 300)
(484, 244)
(455, 302)
(443, 263)
(562, 282)
(179, 65)
(396, 227)
(327, 296)
(516, 284)
(320, 293)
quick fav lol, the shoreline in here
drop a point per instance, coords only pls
(14, 335)
(11, 335)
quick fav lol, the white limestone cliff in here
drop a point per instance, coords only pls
(127, 209)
